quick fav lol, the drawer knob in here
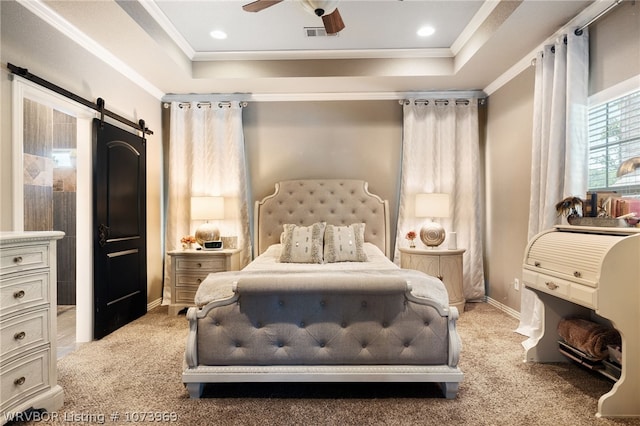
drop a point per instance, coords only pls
(19, 381)
(551, 285)
(577, 274)
(19, 336)
(17, 260)
(537, 264)
(198, 281)
(18, 294)
(199, 265)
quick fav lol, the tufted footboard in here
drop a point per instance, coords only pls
(378, 332)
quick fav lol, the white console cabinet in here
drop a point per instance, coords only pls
(577, 271)
(28, 376)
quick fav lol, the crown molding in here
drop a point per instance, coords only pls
(323, 54)
(158, 15)
(307, 97)
(41, 10)
(581, 19)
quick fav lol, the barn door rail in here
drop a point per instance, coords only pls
(97, 106)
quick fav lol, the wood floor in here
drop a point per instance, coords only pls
(66, 330)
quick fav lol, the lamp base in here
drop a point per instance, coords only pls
(207, 232)
(432, 234)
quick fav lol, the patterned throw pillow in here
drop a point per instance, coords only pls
(344, 243)
(302, 244)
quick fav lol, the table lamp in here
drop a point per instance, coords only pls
(207, 208)
(432, 206)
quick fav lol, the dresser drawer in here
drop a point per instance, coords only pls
(575, 292)
(584, 295)
(16, 259)
(24, 378)
(205, 263)
(22, 332)
(552, 285)
(23, 292)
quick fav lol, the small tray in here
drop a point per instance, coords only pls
(602, 222)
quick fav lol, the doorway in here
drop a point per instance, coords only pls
(50, 177)
(27, 95)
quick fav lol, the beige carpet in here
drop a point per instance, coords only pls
(137, 369)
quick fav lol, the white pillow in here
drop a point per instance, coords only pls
(344, 243)
(302, 244)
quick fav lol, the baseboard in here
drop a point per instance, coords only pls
(154, 304)
(504, 308)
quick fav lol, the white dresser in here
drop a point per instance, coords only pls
(28, 376)
(583, 271)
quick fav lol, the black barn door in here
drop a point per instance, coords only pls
(120, 252)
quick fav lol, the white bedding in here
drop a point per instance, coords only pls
(219, 286)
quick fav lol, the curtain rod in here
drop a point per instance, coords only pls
(98, 106)
(598, 16)
(221, 104)
(458, 101)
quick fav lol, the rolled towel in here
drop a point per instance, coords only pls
(588, 336)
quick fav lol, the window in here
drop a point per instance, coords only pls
(614, 136)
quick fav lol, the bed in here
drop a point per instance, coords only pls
(322, 302)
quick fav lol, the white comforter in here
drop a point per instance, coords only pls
(219, 286)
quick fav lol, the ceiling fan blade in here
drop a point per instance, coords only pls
(259, 5)
(333, 22)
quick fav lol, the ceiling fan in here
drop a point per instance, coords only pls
(324, 8)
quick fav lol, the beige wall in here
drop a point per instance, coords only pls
(325, 139)
(614, 57)
(614, 47)
(287, 140)
(507, 179)
(28, 42)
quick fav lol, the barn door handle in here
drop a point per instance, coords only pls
(103, 233)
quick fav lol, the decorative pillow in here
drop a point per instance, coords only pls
(344, 243)
(302, 244)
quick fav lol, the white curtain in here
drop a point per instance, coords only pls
(441, 153)
(206, 157)
(559, 147)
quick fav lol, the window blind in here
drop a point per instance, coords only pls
(614, 136)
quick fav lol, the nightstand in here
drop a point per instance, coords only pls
(190, 267)
(444, 264)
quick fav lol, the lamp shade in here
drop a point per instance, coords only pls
(628, 166)
(207, 208)
(432, 205)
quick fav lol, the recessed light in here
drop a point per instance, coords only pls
(426, 31)
(218, 34)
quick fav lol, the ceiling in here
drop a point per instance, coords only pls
(165, 45)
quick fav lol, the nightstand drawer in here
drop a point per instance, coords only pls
(23, 292)
(185, 295)
(190, 280)
(24, 378)
(22, 332)
(209, 264)
(23, 258)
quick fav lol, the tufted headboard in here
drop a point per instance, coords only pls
(335, 201)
